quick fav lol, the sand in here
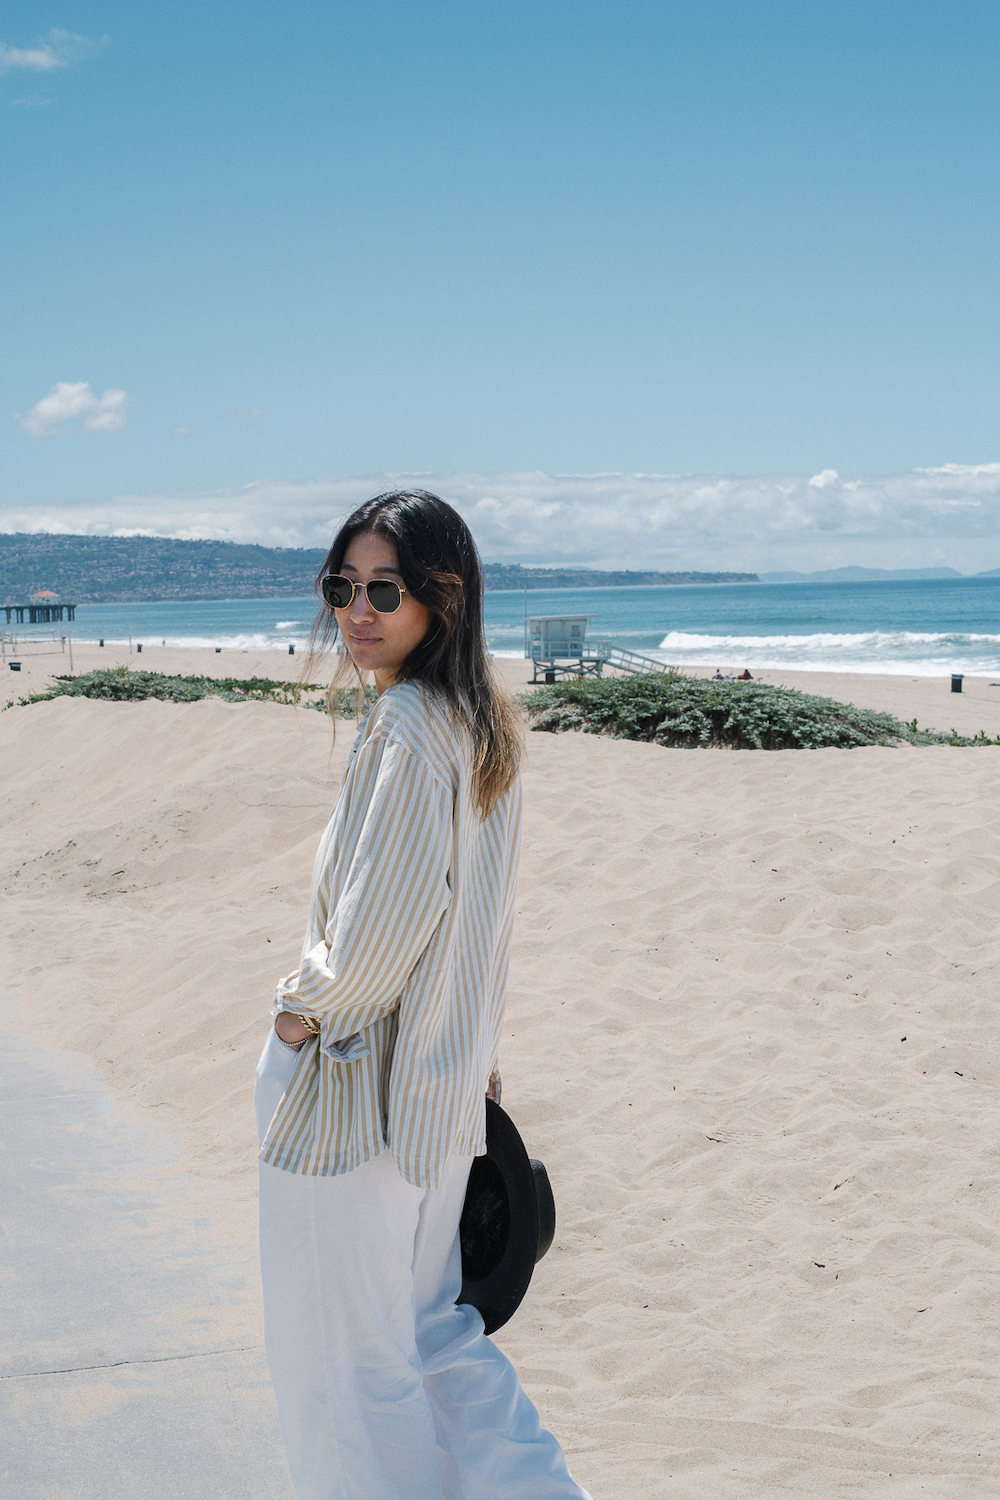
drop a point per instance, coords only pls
(752, 1032)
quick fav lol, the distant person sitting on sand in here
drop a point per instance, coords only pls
(744, 676)
(371, 1089)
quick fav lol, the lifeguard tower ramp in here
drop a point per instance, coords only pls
(557, 647)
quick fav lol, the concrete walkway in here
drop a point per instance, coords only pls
(131, 1356)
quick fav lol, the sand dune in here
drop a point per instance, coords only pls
(752, 1031)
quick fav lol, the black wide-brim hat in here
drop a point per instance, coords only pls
(507, 1223)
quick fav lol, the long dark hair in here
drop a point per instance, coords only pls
(441, 568)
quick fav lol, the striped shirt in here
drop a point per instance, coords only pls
(405, 958)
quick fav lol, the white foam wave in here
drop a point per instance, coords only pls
(249, 642)
(865, 640)
(889, 653)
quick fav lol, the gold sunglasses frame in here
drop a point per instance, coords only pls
(357, 588)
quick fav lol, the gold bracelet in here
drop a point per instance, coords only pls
(309, 1022)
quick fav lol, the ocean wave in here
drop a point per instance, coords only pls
(862, 640)
(248, 642)
(889, 653)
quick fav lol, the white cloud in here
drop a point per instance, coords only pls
(59, 50)
(948, 516)
(822, 480)
(69, 399)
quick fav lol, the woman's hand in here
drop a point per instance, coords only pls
(493, 1087)
(291, 1030)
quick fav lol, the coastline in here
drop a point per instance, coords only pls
(929, 700)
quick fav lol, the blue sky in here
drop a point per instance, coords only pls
(258, 249)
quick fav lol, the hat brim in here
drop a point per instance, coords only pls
(507, 1224)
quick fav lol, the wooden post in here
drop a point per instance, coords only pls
(70, 631)
(130, 640)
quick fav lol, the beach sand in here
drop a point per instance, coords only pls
(752, 1032)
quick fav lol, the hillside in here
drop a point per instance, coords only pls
(861, 575)
(513, 576)
(114, 569)
(118, 569)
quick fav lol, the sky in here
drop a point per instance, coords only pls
(651, 284)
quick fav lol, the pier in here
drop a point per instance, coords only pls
(41, 610)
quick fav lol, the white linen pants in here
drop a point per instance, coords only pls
(386, 1389)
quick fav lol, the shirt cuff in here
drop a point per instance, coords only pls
(284, 995)
(348, 1050)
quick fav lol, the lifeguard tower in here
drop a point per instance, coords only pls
(557, 647)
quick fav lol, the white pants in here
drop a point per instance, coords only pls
(386, 1389)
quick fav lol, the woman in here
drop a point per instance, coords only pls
(370, 1089)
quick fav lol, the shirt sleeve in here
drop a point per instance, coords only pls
(396, 839)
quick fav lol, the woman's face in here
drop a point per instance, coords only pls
(379, 643)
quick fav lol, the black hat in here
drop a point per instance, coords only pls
(507, 1223)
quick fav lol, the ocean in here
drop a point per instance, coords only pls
(919, 628)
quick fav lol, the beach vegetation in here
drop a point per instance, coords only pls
(124, 685)
(670, 709)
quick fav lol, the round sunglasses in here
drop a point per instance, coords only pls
(382, 594)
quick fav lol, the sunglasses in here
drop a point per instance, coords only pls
(382, 594)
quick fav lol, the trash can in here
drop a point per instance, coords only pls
(956, 682)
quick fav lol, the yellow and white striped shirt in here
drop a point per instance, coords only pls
(406, 954)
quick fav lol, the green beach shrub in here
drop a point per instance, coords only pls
(123, 685)
(670, 709)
